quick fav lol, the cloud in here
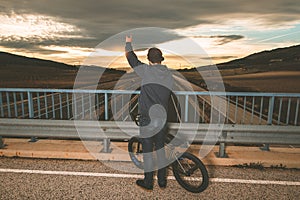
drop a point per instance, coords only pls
(106, 18)
(219, 57)
(223, 39)
(32, 32)
(142, 38)
(90, 22)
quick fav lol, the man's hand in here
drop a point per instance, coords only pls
(129, 38)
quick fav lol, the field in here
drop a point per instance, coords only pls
(31, 77)
(274, 81)
(279, 81)
(48, 77)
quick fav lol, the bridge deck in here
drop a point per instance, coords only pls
(70, 149)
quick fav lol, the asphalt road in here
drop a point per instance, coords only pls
(35, 181)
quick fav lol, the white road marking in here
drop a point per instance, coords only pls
(262, 182)
(111, 175)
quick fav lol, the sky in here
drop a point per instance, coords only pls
(70, 31)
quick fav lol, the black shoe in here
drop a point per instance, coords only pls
(144, 185)
(162, 184)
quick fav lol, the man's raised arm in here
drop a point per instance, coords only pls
(130, 55)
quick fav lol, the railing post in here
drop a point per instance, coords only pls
(106, 142)
(106, 146)
(186, 109)
(30, 105)
(106, 106)
(271, 110)
(1, 105)
(31, 112)
(2, 145)
(266, 147)
(222, 145)
(222, 152)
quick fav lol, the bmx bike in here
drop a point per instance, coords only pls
(189, 171)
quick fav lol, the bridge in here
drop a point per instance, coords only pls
(200, 116)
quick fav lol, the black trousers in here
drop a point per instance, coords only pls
(154, 144)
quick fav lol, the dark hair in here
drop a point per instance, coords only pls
(155, 55)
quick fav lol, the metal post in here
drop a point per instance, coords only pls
(106, 146)
(266, 147)
(60, 106)
(75, 106)
(53, 105)
(8, 104)
(203, 110)
(31, 113)
(122, 98)
(39, 104)
(106, 106)
(82, 106)
(1, 105)
(244, 110)
(271, 109)
(222, 153)
(228, 109)
(252, 109)
(236, 109)
(279, 112)
(15, 104)
(22, 104)
(30, 105)
(195, 110)
(261, 109)
(2, 145)
(97, 106)
(288, 112)
(46, 104)
(296, 113)
(90, 106)
(186, 118)
(222, 146)
(106, 142)
(68, 105)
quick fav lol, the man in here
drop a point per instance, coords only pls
(156, 87)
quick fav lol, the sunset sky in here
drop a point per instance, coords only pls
(68, 31)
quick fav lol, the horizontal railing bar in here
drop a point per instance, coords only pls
(259, 94)
(68, 90)
(248, 134)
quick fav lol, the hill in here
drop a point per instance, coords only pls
(24, 72)
(287, 58)
(12, 60)
(277, 70)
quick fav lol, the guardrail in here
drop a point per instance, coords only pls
(194, 132)
(238, 107)
(255, 118)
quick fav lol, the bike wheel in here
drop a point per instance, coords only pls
(136, 152)
(190, 173)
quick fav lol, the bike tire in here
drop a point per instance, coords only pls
(136, 152)
(190, 173)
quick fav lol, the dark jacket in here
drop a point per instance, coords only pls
(156, 86)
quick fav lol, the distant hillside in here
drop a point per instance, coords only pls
(277, 59)
(8, 59)
(281, 59)
(277, 70)
(20, 71)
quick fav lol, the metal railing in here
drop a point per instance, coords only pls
(194, 107)
(248, 117)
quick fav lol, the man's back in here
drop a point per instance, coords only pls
(157, 82)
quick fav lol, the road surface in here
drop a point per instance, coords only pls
(73, 179)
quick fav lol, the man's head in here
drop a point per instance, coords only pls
(155, 55)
